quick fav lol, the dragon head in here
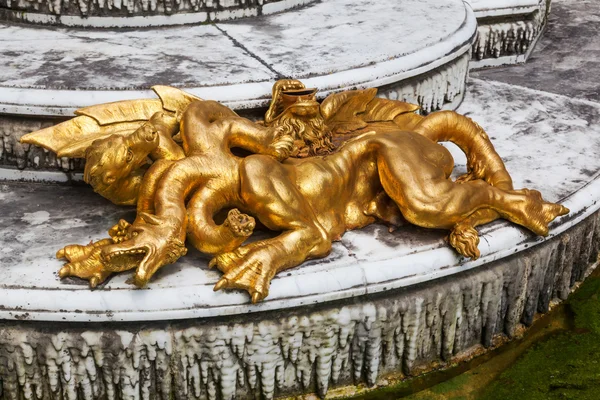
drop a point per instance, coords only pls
(112, 161)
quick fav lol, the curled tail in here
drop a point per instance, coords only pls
(482, 163)
(482, 160)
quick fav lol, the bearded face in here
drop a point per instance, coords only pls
(305, 122)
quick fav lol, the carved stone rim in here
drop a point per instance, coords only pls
(151, 19)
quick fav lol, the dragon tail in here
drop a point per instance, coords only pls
(483, 162)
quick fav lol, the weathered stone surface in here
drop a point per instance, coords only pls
(13, 153)
(137, 13)
(550, 143)
(567, 58)
(442, 88)
(54, 71)
(507, 34)
(306, 349)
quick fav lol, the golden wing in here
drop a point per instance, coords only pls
(352, 110)
(72, 138)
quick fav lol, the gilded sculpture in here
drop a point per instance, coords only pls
(198, 172)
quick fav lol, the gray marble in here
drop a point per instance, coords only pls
(372, 340)
(507, 31)
(54, 71)
(346, 39)
(566, 60)
(62, 58)
(137, 13)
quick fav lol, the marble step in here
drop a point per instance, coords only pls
(414, 49)
(507, 30)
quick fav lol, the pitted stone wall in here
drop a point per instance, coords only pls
(309, 349)
(15, 154)
(198, 11)
(440, 89)
(499, 37)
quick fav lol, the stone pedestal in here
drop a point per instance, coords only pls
(507, 31)
(335, 45)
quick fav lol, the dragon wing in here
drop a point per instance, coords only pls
(72, 138)
(352, 110)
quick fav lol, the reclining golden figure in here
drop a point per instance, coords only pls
(310, 171)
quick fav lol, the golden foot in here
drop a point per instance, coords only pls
(84, 262)
(536, 214)
(246, 272)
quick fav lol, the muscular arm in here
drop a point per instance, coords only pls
(208, 125)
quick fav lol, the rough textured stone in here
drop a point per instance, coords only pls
(307, 349)
(51, 11)
(567, 57)
(508, 39)
(13, 153)
(442, 88)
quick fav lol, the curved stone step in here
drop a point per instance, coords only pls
(404, 48)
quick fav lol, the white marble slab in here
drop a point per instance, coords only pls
(53, 71)
(549, 142)
(70, 59)
(492, 8)
(348, 36)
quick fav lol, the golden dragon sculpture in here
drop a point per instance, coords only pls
(309, 172)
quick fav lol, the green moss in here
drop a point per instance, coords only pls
(563, 367)
(566, 366)
(558, 366)
(452, 384)
(585, 304)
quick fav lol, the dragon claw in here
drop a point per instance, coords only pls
(243, 270)
(94, 281)
(256, 297)
(64, 271)
(221, 284)
(86, 263)
(60, 254)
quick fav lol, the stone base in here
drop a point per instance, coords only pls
(407, 47)
(138, 13)
(507, 30)
(302, 350)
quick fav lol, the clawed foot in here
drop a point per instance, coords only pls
(465, 239)
(244, 269)
(84, 262)
(536, 214)
(240, 224)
